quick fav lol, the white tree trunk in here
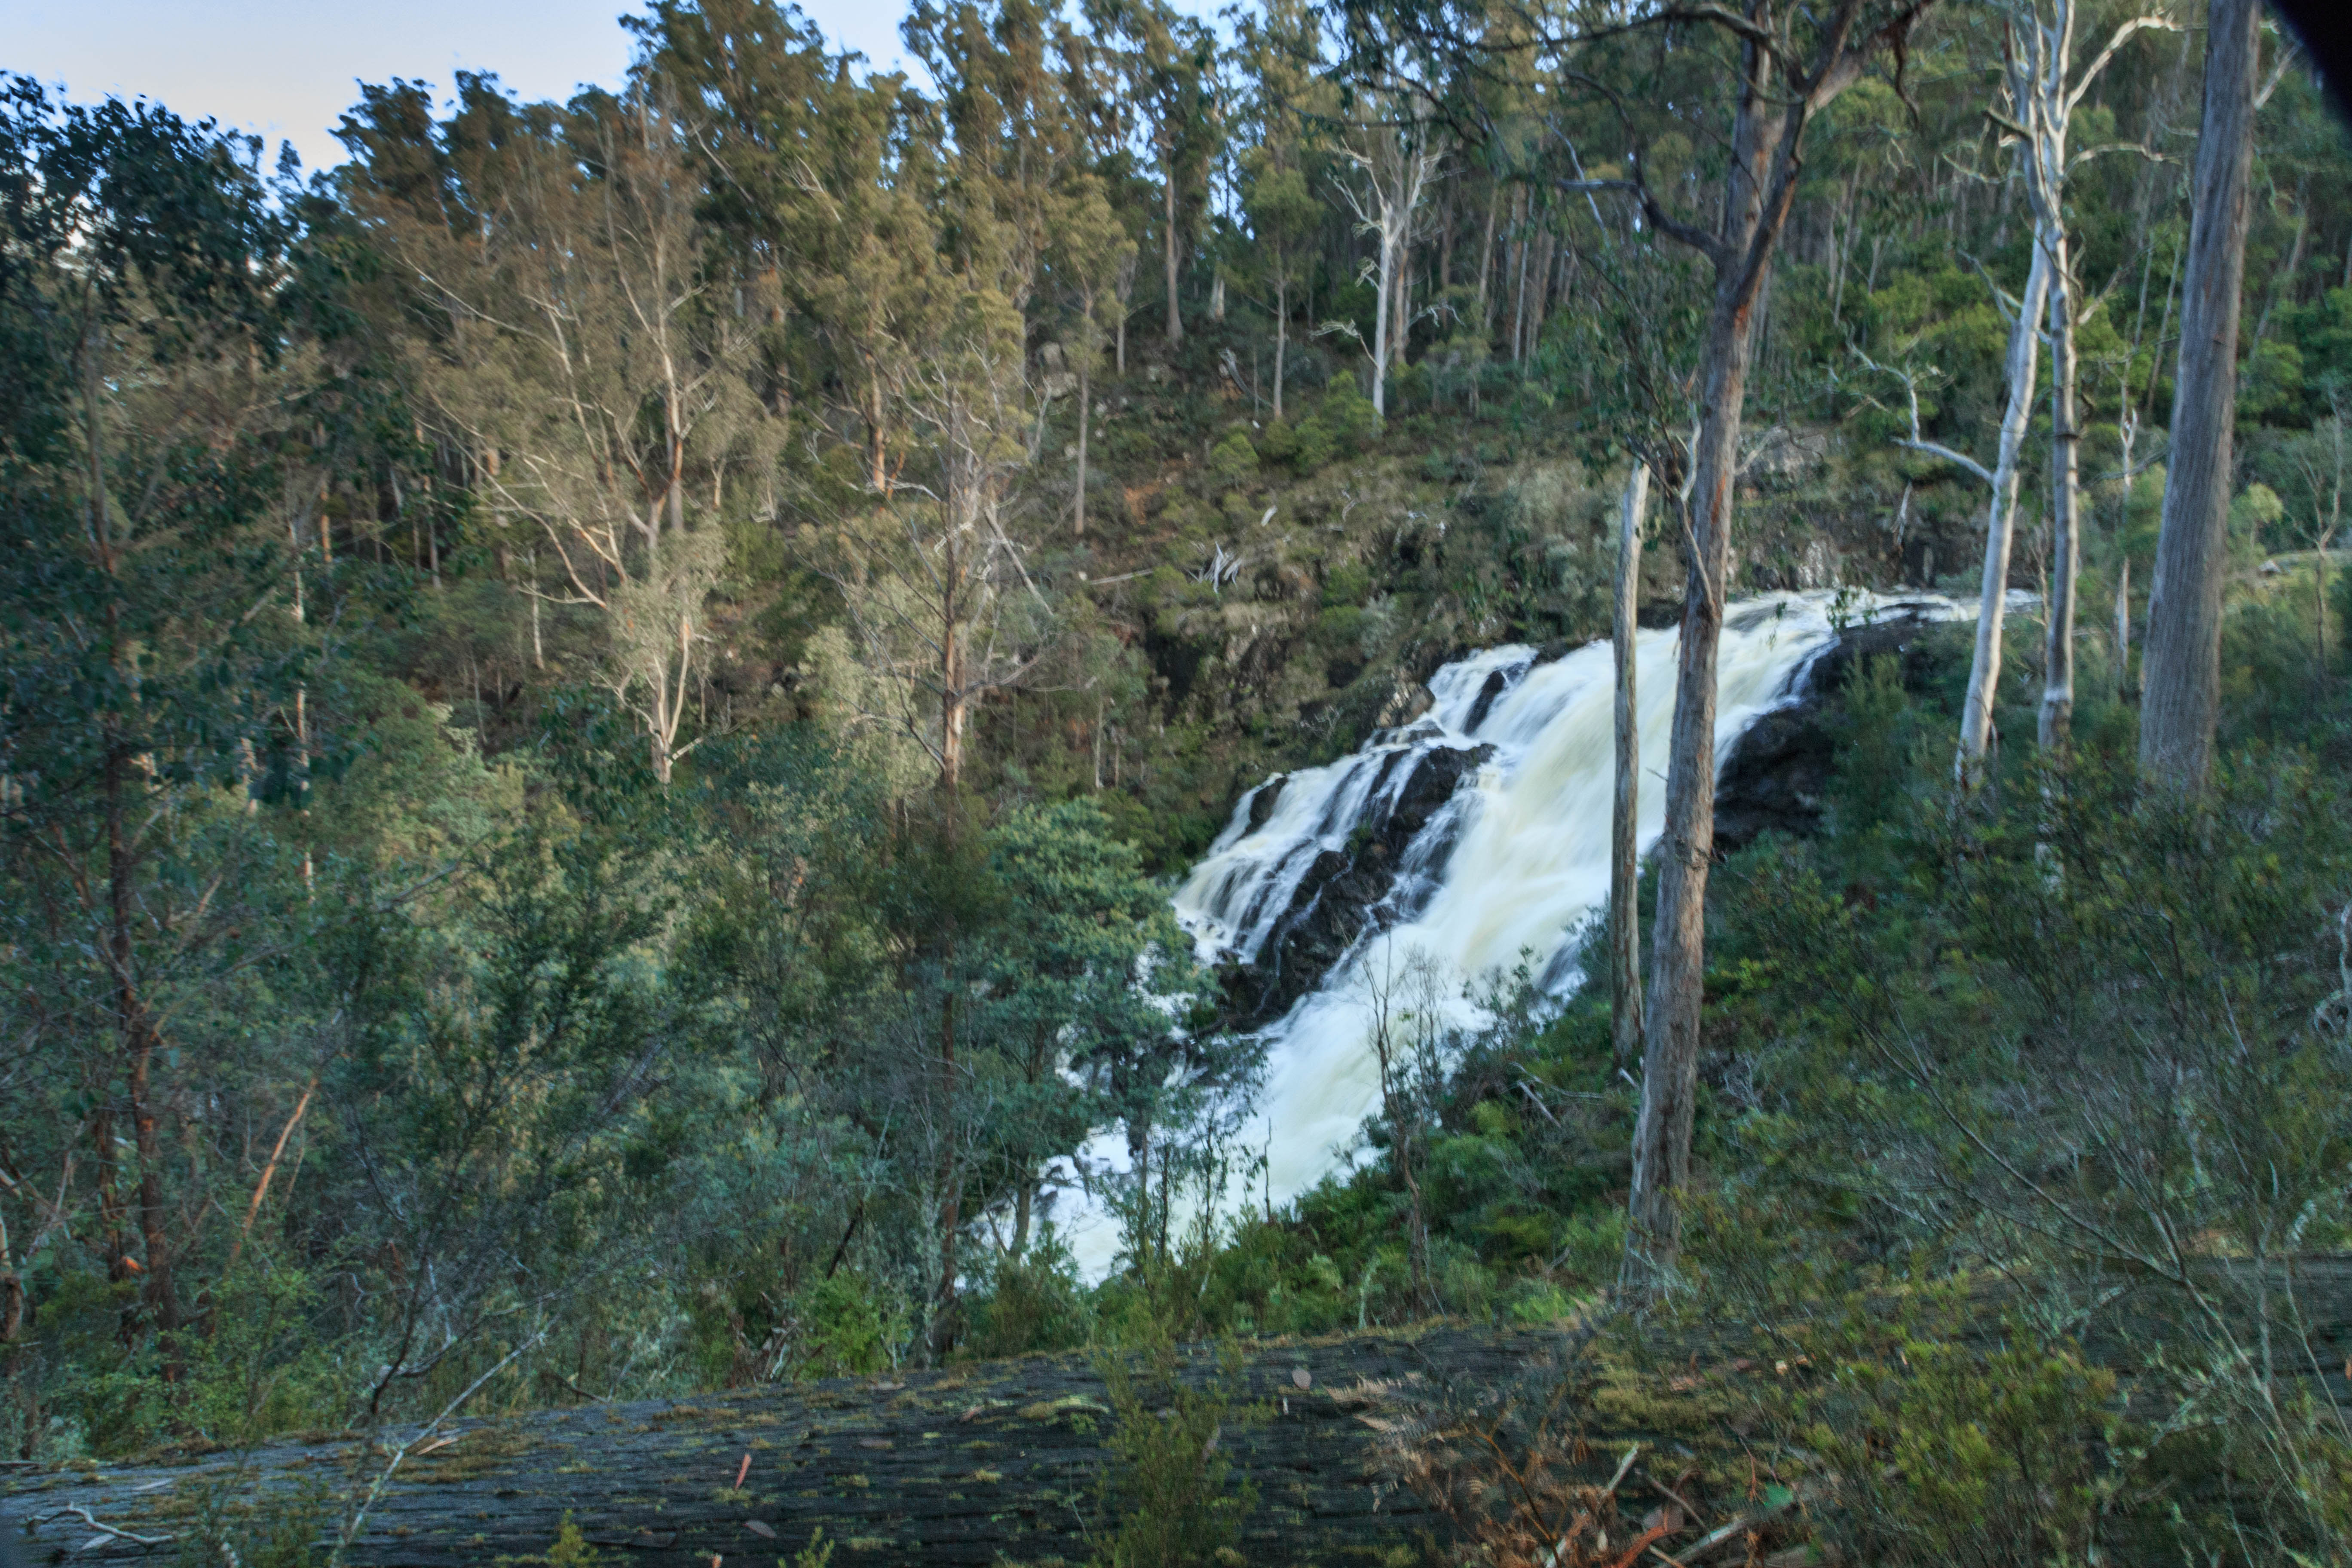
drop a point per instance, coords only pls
(1085, 413)
(1381, 319)
(1984, 671)
(1281, 336)
(1397, 175)
(2057, 715)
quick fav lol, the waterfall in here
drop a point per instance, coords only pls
(1508, 869)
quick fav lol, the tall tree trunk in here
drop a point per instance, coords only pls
(136, 1026)
(2057, 716)
(1400, 305)
(1764, 135)
(2123, 628)
(2001, 513)
(1387, 282)
(954, 702)
(1539, 292)
(1670, 1015)
(1625, 825)
(2181, 669)
(1085, 413)
(1487, 263)
(1175, 317)
(1281, 335)
(1519, 279)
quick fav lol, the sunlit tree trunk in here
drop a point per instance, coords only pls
(2042, 93)
(1086, 415)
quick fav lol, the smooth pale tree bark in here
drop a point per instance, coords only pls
(2023, 368)
(583, 351)
(1397, 170)
(1168, 223)
(2057, 716)
(1780, 91)
(1086, 415)
(2181, 667)
(1625, 825)
(2043, 94)
(2123, 630)
(2001, 482)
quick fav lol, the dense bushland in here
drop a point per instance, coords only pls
(599, 703)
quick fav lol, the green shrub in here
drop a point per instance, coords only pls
(1033, 1302)
(1933, 1453)
(846, 1330)
(570, 1548)
(1234, 459)
(1312, 444)
(1349, 414)
(1346, 583)
(1170, 1480)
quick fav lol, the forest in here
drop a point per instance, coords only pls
(605, 710)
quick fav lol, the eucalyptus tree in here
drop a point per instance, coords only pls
(1392, 153)
(148, 673)
(586, 356)
(1164, 63)
(2181, 668)
(1093, 251)
(1782, 69)
(2043, 93)
(1279, 52)
(819, 184)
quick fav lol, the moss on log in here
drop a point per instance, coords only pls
(997, 1462)
(989, 1463)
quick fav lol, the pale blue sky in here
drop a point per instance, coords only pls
(286, 68)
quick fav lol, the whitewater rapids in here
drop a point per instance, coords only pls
(1510, 869)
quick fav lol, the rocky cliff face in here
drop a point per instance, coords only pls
(1778, 775)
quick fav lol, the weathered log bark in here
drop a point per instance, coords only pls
(975, 1465)
(994, 1462)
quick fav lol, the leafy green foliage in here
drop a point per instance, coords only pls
(1170, 1479)
(379, 1019)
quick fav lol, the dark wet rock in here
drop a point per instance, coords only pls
(1343, 889)
(1497, 683)
(1777, 776)
(1263, 802)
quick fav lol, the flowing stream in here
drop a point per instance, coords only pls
(1510, 869)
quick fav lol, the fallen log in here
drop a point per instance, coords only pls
(975, 1465)
(998, 1462)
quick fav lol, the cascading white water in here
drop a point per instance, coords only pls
(1514, 864)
